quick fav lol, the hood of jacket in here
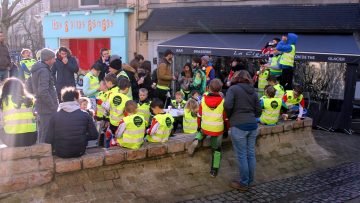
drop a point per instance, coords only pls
(292, 38)
(69, 106)
(212, 100)
(249, 89)
(39, 65)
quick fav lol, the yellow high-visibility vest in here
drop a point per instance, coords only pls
(263, 80)
(176, 105)
(133, 136)
(190, 124)
(94, 82)
(274, 63)
(100, 111)
(279, 91)
(28, 63)
(290, 98)
(144, 110)
(165, 126)
(287, 58)
(212, 119)
(271, 112)
(124, 74)
(117, 107)
(18, 120)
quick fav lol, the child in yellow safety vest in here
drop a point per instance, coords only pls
(190, 125)
(271, 107)
(130, 133)
(262, 81)
(272, 80)
(144, 105)
(178, 103)
(295, 102)
(161, 124)
(213, 122)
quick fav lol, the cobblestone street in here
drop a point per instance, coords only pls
(337, 184)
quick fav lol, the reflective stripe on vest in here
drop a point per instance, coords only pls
(212, 119)
(189, 122)
(287, 58)
(263, 79)
(18, 121)
(133, 136)
(94, 82)
(176, 105)
(290, 98)
(28, 63)
(279, 91)
(271, 112)
(144, 110)
(162, 87)
(165, 126)
(117, 106)
(100, 111)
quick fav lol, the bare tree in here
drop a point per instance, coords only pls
(10, 14)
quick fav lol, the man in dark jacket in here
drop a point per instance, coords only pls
(5, 61)
(42, 86)
(70, 128)
(64, 69)
(104, 61)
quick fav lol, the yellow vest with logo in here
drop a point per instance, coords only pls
(18, 120)
(190, 124)
(271, 112)
(144, 110)
(290, 98)
(279, 91)
(133, 136)
(274, 63)
(94, 82)
(287, 58)
(176, 105)
(124, 74)
(117, 107)
(100, 111)
(212, 119)
(28, 63)
(263, 79)
(165, 126)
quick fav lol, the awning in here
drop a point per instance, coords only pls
(326, 48)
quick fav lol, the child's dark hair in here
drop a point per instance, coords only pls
(298, 89)
(194, 92)
(130, 106)
(124, 83)
(197, 60)
(15, 88)
(157, 103)
(69, 94)
(270, 91)
(272, 78)
(111, 77)
(96, 66)
(215, 85)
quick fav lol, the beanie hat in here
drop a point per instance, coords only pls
(113, 57)
(205, 58)
(116, 64)
(46, 54)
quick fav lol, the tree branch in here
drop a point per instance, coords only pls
(21, 11)
(13, 5)
(14, 21)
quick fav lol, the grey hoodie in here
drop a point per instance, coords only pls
(42, 85)
(242, 104)
(69, 106)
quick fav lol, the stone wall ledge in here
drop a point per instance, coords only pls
(26, 167)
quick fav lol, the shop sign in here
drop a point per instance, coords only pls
(85, 25)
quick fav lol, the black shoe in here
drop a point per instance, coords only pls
(213, 172)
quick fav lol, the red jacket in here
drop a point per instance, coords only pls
(212, 100)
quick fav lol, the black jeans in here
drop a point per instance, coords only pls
(286, 78)
(162, 95)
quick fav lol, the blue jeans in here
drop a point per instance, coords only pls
(244, 147)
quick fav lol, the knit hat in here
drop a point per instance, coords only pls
(46, 54)
(116, 64)
(205, 58)
(113, 57)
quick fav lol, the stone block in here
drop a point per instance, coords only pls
(67, 165)
(92, 160)
(277, 129)
(176, 146)
(41, 150)
(39, 178)
(22, 166)
(4, 169)
(288, 125)
(156, 150)
(308, 122)
(136, 154)
(265, 130)
(298, 124)
(114, 156)
(10, 184)
(46, 163)
(12, 153)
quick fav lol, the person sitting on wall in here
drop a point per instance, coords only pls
(70, 128)
(295, 102)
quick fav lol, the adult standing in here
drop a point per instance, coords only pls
(5, 61)
(42, 85)
(164, 77)
(64, 69)
(145, 81)
(199, 77)
(185, 80)
(104, 62)
(209, 70)
(70, 127)
(286, 61)
(243, 108)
